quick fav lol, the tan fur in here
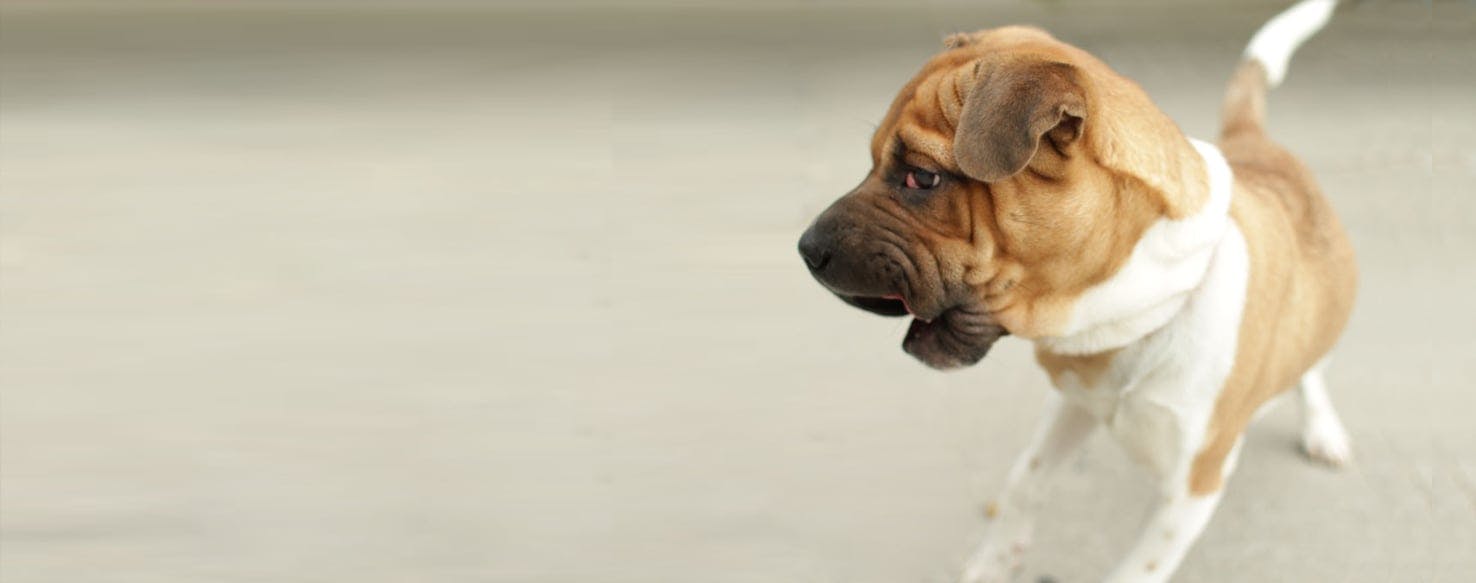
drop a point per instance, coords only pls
(1136, 167)
(1031, 243)
(1245, 101)
(1302, 281)
(1021, 186)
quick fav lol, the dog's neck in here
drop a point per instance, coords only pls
(1167, 263)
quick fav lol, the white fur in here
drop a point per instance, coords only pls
(1173, 312)
(1158, 393)
(1167, 262)
(1012, 514)
(1275, 42)
(1175, 524)
(1323, 436)
(1164, 411)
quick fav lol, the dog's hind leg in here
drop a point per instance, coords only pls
(1063, 427)
(1323, 436)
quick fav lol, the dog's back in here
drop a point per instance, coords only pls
(1303, 275)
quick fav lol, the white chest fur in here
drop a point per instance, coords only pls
(1168, 262)
(1158, 393)
(1173, 314)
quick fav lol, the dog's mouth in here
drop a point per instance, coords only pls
(891, 305)
(958, 336)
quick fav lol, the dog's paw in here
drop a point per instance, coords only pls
(994, 565)
(1324, 440)
(1001, 556)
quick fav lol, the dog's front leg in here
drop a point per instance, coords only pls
(1012, 514)
(1175, 523)
(1177, 520)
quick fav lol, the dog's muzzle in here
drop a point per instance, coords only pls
(943, 334)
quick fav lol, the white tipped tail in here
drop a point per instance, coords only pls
(1275, 42)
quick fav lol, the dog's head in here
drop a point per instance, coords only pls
(1010, 175)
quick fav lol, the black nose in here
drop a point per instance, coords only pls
(815, 251)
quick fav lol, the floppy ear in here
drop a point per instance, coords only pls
(1009, 110)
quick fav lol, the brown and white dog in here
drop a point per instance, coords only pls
(1171, 286)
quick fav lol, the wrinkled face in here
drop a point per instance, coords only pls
(984, 212)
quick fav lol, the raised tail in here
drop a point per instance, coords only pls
(1265, 62)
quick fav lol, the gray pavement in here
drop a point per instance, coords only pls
(507, 292)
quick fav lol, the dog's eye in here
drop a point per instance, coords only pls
(920, 180)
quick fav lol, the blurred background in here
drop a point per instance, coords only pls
(477, 291)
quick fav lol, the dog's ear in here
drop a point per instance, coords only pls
(1010, 109)
(959, 39)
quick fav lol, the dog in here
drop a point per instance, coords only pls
(1171, 287)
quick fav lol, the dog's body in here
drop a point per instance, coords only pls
(1171, 287)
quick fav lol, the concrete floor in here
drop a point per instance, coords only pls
(343, 292)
